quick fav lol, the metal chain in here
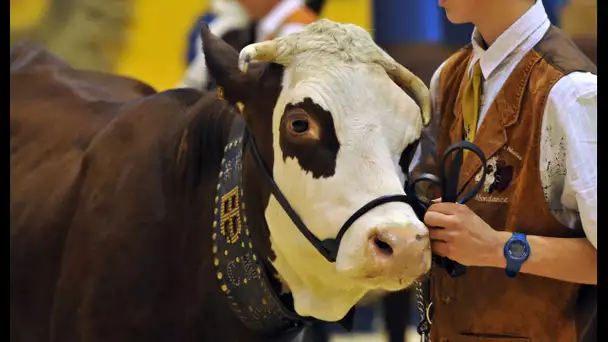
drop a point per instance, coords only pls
(424, 325)
(420, 299)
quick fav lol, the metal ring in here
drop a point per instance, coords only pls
(428, 313)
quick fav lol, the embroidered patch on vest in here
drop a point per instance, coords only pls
(498, 177)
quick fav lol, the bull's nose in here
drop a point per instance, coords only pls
(396, 242)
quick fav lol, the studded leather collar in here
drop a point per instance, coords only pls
(241, 274)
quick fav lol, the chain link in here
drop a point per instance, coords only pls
(424, 325)
(420, 299)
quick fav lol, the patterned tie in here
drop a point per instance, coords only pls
(470, 103)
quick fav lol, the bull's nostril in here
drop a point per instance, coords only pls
(383, 247)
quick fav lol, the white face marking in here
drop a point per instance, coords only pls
(374, 121)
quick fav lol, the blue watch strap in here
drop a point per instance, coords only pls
(514, 263)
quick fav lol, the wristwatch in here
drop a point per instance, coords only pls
(517, 251)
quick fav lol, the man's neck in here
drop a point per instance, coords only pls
(498, 17)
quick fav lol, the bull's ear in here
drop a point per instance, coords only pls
(222, 62)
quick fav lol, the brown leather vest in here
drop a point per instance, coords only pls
(484, 304)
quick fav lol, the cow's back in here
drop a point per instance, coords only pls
(56, 114)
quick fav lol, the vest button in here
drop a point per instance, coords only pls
(446, 299)
(444, 339)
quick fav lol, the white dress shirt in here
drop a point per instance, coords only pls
(568, 150)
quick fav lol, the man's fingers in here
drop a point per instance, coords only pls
(441, 234)
(447, 208)
(437, 219)
(440, 248)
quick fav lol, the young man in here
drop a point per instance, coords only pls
(271, 19)
(525, 94)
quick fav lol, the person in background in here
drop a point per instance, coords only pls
(527, 97)
(244, 22)
(223, 16)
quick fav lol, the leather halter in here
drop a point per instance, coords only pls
(328, 247)
(241, 272)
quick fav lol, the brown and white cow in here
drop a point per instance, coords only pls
(112, 199)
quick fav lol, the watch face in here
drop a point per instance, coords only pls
(517, 249)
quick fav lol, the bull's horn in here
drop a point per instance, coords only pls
(406, 79)
(265, 51)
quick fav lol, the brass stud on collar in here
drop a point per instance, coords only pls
(220, 275)
(220, 93)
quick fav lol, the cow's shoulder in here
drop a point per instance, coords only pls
(125, 223)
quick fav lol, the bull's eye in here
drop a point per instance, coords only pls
(299, 126)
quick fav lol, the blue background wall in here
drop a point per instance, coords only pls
(423, 21)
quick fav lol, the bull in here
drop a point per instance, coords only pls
(188, 216)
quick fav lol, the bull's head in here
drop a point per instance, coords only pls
(331, 114)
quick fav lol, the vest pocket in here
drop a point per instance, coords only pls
(469, 337)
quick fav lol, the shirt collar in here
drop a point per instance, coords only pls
(276, 17)
(508, 41)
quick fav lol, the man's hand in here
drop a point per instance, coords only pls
(467, 239)
(458, 233)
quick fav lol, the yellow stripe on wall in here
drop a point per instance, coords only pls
(26, 13)
(158, 37)
(358, 12)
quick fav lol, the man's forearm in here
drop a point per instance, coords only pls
(568, 259)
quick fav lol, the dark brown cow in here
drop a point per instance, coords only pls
(105, 246)
(113, 189)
